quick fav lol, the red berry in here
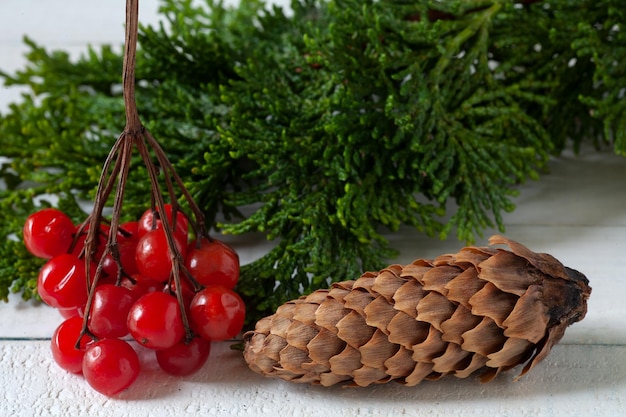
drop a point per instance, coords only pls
(155, 321)
(141, 285)
(110, 366)
(63, 345)
(107, 279)
(109, 311)
(213, 263)
(67, 313)
(62, 282)
(184, 358)
(151, 221)
(217, 313)
(48, 233)
(152, 255)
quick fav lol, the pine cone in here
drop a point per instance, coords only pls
(482, 310)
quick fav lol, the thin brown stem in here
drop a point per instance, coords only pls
(114, 176)
(167, 165)
(112, 244)
(105, 187)
(121, 170)
(133, 124)
(175, 255)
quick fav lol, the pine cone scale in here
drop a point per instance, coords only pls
(430, 348)
(345, 362)
(453, 359)
(461, 321)
(493, 303)
(404, 330)
(377, 350)
(529, 318)
(400, 364)
(511, 353)
(479, 311)
(437, 278)
(420, 372)
(509, 273)
(464, 286)
(388, 282)
(379, 313)
(434, 308)
(354, 330)
(324, 346)
(407, 297)
(485, 338)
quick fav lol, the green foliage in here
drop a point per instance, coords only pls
(603, 42)
(324, 127)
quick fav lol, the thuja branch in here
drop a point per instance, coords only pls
(455, 44)
(327, 122)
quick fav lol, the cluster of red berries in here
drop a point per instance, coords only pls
(135, 295)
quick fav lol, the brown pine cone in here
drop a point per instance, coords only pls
(482, 310)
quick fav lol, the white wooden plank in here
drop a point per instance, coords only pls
(574, 381)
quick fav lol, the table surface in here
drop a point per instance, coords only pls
(575, 212)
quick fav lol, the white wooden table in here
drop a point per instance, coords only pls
(577, 213)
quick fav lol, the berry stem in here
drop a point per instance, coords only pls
(175, 256)
(133, 123)
(199, 225)
(117, 167)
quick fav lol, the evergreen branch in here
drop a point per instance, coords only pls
(326, 128)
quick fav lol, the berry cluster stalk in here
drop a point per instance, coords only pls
(114, 177)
